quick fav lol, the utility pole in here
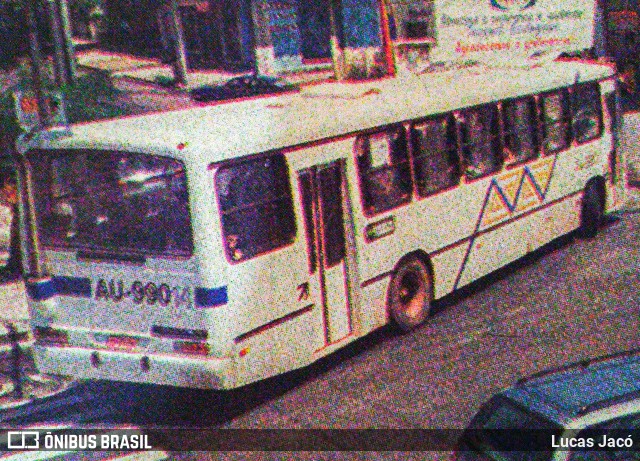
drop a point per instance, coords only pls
(37, 74)
(180, 52)
(69, 51)
(62, 77)
(63, 45)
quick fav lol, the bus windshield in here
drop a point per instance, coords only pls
(114, 202)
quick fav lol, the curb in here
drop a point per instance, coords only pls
(149, 86)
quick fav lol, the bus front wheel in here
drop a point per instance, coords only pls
(409, 299)
(592, 213)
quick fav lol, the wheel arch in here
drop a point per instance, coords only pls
(424, 257)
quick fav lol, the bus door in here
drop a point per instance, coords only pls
(323, 193)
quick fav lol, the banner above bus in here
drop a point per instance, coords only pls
(498, 31)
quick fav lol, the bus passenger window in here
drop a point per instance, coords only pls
(255, 206)
(520, 140)
(383, 166)
(586, 112)
(435, 158)
(555, 122)
(480, 141)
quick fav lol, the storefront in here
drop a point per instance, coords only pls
(281, 35)
(355, 38)
(216, 33)
(300, 35)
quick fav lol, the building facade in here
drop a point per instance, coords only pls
(272, 36)
(355, 38)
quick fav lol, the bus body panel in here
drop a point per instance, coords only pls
(430, 225)
(162, 369)
(278, 310)
(490, 251)
(446, 267)
(211, 262)
(317, 310)
(272, 312)
(553, 221)
(112, 306)
(276, 350)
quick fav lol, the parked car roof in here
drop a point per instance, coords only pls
(517, 423)
(581, 387)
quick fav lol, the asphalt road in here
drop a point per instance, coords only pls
(573, 300)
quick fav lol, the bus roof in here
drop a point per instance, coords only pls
(218, 132)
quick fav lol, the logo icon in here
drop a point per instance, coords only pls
(23, 440)
(512, 5)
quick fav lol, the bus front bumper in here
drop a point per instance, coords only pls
(163, 369)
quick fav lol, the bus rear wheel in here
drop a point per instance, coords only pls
(409, 299)
(592, 213)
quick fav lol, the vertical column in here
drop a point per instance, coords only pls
(63, 46)
(62, 77)
(246, 32)
(180, 62)
(386, 38)
(264, 56)
(37, 74)
(336, 46)
(70, 56)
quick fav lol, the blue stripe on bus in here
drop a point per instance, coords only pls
(211, 297)
(64, 286)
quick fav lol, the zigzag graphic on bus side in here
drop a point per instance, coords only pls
(516, 191)
(505, 197)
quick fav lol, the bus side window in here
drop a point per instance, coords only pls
(255, 206)
(586, 113)
(555, 121)
(383, 167)
(434, 155)
(480, 140)
(520, 130)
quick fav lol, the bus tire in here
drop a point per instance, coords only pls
(410, 293)
(592, 212)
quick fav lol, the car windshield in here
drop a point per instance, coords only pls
(504, 430)
(113, 202)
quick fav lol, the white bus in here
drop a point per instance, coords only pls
(217, 246)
